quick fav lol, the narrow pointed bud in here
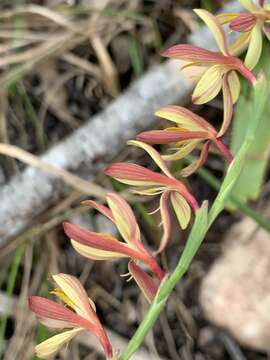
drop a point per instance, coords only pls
(168, 136)
(136, 175)
(244, 22)
(194, 54)
(145, 282)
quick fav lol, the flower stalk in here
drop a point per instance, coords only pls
(221, 74)
(203, 221)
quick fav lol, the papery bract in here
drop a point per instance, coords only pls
(145, 282)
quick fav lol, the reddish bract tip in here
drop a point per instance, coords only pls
(165, 137)
(145, 282)
(128, 171)
(243, 23)
(194, 54)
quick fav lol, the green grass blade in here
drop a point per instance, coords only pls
(249, 183)
(11, 285)
(236, 167)
(136, 56)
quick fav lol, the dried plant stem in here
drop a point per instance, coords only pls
(75, 181)
(202, 223)
(8, 164)
(55, 44)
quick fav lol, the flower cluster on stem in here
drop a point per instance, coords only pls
(220, 72)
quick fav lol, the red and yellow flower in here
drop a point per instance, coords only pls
(221, 72)
(78, 314)
(251, 25)
(101, 246)
(190, 130)
(149, 183)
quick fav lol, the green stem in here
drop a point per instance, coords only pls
(196, 236)
(201, 225)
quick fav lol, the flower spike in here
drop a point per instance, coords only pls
(251, 25)
(78, 314)
(190, 130)
(149, 183)
(221, 72)
(100, 246)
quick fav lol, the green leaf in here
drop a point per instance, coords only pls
(249, 184)
(236, 168)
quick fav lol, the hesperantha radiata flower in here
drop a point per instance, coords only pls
(76, 315)
(189, 131)
(251, 25)
(221, 72)
(149, 183)
(102, 246)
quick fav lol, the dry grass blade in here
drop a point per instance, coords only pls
(40, 229)
(76, 182)
(46, 48)
(168, 336)
(188, 18)
(82, 64)
(3, 122)
(55, 94)
(10, 47)
(57, 43)
(8, 164)
(23, 35)
(54, 45)
(108, 67)
(42, 11)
